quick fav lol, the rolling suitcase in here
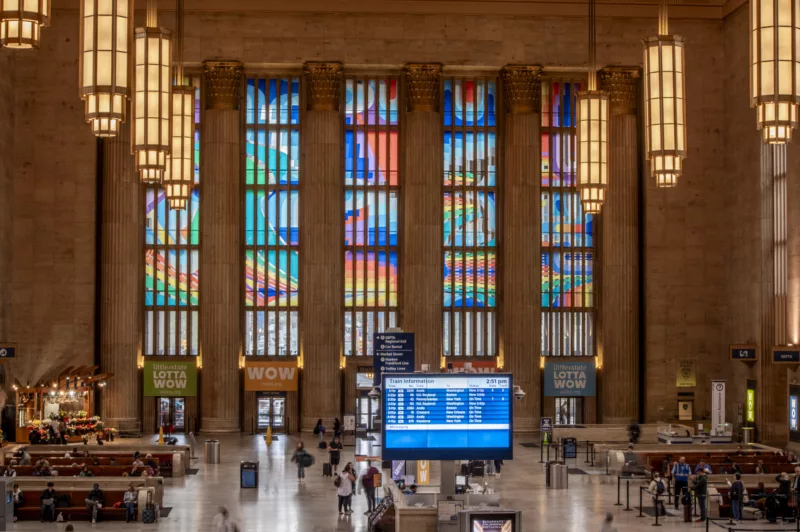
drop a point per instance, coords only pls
(327, 470)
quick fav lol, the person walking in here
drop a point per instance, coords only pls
(608, 524)
(368, 483)
(337, 427)
(335, 451)
(299, 456)
(94, 501)
(680, 474)
(498, 465)
(344, 489)
(129, 500)
(319, 430)
(736, 495)
(223, 522)
(658, 489)
(48, 498)
(701, 492)
(18, 498)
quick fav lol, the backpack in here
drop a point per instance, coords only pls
(337, 481)
(316, 429)
(660, 487)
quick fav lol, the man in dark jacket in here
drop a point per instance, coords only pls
(368, 482)
(94, 501)
(48, 498)
(736, 495)
(701, 492)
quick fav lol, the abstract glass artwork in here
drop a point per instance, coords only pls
(172, 266)
(371, 210)
(567, 240)
(271, 212)
(470, 218)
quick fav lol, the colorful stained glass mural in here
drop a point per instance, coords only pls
(371, 210)
(470, 218)
(567, 238)
(172, 266)
(272, 221)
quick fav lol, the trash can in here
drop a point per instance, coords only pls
(212, 451)
(248, 475)
(747, 435)
(549, 473)
(559, 477)
(569, 447)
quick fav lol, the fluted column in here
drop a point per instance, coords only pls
(322, 245)
(522, 290)
(221, 254)
(423, 214)
(771, 396)
(121, 267)
(619, 252)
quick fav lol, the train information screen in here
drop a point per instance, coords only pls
(447, 417)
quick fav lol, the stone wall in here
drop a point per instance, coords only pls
(52, 276)
(6, 172)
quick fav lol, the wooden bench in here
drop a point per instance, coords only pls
(72, 505)
(73, 471)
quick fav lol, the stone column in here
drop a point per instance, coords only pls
(121, 273)
(521, 337)
(221, 254)
(772, 386)
(619, 254)
(423, 214)
(322, 245)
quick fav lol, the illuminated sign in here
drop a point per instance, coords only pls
(793, 412)
(750, 407)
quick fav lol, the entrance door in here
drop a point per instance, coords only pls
(366, 412)
(271, 412)
(569, 411)
(172, 414)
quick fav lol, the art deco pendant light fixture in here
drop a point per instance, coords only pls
(179, 173)
(664, 102)
(151, 136)
(104, 69)
(21, 22)
(775, 67)
(592, 132)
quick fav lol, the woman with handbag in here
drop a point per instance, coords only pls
(299, 456)
(344, 482)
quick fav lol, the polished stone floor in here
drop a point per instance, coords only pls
(281, 505)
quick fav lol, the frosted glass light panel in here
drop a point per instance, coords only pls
(592, 149)
(21, 22)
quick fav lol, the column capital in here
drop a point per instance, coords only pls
(622, 86)
(223, 80)
(522, 85)
(324, 81)
(423, 81)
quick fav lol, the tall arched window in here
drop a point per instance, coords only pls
(271, 226)
(172, 266)
(470, 228)
(567, 238)
(371, 198)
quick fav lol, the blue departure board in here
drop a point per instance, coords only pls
(447, 417)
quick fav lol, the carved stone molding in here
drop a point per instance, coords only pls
(523, 88)
(622, 86)
(324, 81)
(223, 81)
(423, 86)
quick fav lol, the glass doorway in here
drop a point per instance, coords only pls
(271, 411)
(172, 414)
(367, 410)
(569, 411)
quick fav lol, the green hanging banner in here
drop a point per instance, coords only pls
(170, 379)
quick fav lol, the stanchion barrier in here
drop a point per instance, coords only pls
(641, 506)
(657, 512)
(588, 443)
(619, 481)
(627, 496)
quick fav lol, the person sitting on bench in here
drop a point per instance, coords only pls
(94, 501)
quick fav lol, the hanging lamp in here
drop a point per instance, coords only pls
(664, 102)
(21, 22)
(152, 97)
(179, 173)
(104, 69)
(592, 111)
(775, 67)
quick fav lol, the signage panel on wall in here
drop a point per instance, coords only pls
(686, 376)
(569, 379)
(793, 412)
(170, 379)
(270, 376)
(744, 352)
(717, 403)
(8, 351)
(685, 410)
(447, 417)
(392, 353)
(786, 355)
(423, 472)
(750, 406)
